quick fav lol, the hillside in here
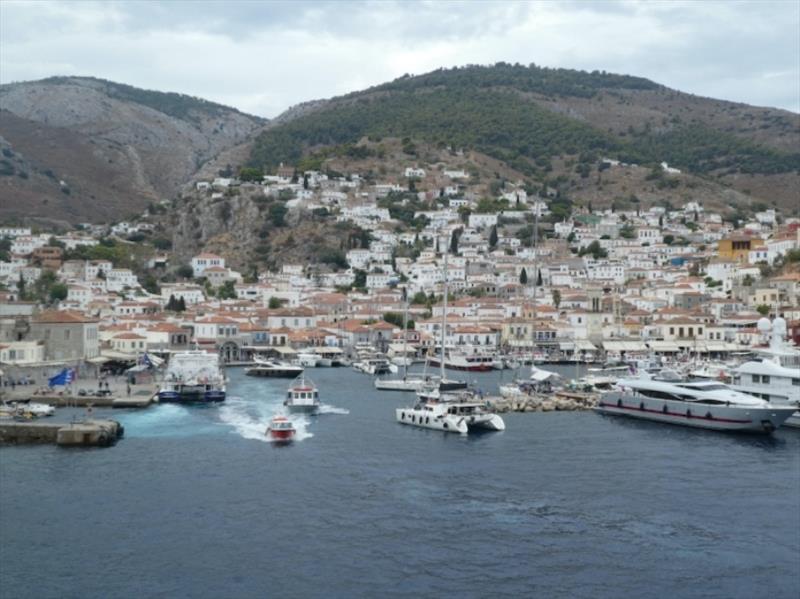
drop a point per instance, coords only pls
(535, 119)
(77, 148)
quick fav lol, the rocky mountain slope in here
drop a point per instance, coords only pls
(539, 121)
(77, 148)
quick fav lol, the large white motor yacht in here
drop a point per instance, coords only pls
(701, 404)
(774, 374)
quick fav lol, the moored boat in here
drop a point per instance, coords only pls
(274, 369)
(454, 416)
(193, 377)
(709, 405)
(773, 373)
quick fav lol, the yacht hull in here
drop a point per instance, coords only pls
(696, 415)
(418, 418)
(398, 384)
(191, 396)
(462, 424)
(273, 372)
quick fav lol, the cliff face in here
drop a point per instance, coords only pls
(254, 232)
(114, 147)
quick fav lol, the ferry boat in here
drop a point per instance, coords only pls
(467, 362)
(453, 415)
(774, 373)
(193, 377)
(303, 396)
(274, 369)
(700, 404)
(281, 429)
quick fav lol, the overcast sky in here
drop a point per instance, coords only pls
(263, 57)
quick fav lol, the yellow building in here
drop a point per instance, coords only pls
(737, 248)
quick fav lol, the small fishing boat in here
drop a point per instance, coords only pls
(281, 429)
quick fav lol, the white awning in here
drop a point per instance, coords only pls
(624, 346)
(284, 349)
(566, 346)
(664, 346)
(585, 345)
(328, 350)
(118, 355)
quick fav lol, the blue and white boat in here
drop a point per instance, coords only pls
(193, 377)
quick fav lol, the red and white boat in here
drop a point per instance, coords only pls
(281, 429)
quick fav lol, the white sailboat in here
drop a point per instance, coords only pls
(413, 382)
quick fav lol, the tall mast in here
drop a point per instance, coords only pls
(535, 277)
(444, 314)
(405, 333)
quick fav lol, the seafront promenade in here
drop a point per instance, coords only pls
(115, 392)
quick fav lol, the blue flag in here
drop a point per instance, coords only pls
(65, 377)
(146, 361)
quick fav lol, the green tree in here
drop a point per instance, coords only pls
(493, 237)
(185, 271)
(539, 281)
(277, 214)
(150, 284)
(454, 237)
(58, 292)
(763, 309)
(227, 290)
(181, 307)
(396, 319)
(556, 298)
(274, 303)
(595, 249)
(523, 277)
(420, 298)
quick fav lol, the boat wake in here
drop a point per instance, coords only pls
(328, 409)
(165, 420)
(250, 420)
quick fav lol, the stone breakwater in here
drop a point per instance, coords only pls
(559, 402)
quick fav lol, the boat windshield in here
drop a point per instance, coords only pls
(706, 387)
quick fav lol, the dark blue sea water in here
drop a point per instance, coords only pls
(194, 502)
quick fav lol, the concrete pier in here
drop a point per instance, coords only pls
(87, 433)
(140, 399)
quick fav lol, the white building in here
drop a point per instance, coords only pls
(206, 260)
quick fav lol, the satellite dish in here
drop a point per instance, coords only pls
(764, 326)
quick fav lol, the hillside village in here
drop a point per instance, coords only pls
(527, 272)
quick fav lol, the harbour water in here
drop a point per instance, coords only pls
(195, 502)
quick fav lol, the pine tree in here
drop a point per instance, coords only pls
(181, 304)
(539, 278)
(523, 277)
(171, 304)
(493, 237)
